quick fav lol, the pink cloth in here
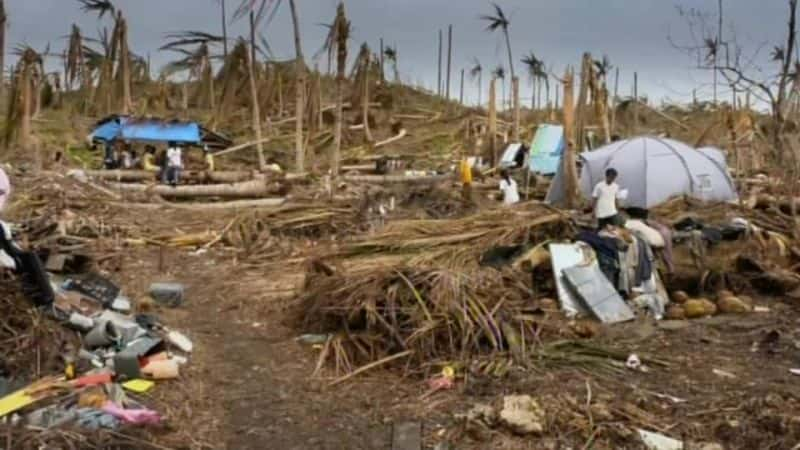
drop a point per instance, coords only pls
(5, 189)
(133, 416)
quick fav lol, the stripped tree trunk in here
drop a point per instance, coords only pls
(492, 128)
(3, 22)
(365, 100)
(583, 94)
(342, 34)
(25, 97)
(569, 168)
(124, 64)
(299, 91)
(256, 110)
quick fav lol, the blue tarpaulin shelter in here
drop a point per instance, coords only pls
(546, 149)
(132, 129)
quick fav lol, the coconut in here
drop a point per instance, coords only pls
(733, 305)
(675, 312)
(680, 297)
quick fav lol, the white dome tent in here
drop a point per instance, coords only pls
(652, 170)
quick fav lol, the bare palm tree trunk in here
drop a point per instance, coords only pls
(581, 117)
(515, 91)
(510, 57)
(3, 23)
(125, 65)
(25, 119)
(492, 128)
(256, 110)
(365, 101)
(280, 95)
(383, 73)
(299, 91)
(449, 57)
(224, 31)
(461, 95)
(569, 168)
(533, 94)
(480, 89)
(439, 78)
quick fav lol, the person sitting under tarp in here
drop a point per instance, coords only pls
(109, 157)
(149, 159)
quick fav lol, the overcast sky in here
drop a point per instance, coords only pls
(632, 32)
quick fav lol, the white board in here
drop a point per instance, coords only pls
(564, 256)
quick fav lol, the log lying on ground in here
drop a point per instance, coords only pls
(236, 204)
(397, 179)
(143, 175)
(260, 187)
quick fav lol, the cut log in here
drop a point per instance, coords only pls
(397, 179)
(236, 204)
(260, 187)
(143, 175)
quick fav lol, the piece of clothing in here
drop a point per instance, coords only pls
(172, 175)
(174, 157)
(644, 266)
(666, 252)
(209, 162)
(510, 191)
(109, 161)
(652, 236)
(614, 220)
(466, 172)
(606, 197)
(274, 167)
(149, 163)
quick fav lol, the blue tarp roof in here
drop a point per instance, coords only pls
(130, 129)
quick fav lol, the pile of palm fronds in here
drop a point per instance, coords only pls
(418, 288)
(22, 438)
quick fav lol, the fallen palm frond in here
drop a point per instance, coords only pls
(418, 287)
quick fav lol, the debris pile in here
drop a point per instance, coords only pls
(419, 287)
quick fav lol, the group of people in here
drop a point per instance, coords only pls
(167, 164)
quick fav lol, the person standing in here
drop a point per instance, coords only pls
(605, 195)
(509, 189)
(174, 163)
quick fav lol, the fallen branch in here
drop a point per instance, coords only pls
(390, 179)
(237, 204)
(399, 136)
(369, 366)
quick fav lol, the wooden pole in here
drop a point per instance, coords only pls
(300, 88)
(635, 103)
(492, 128)
(449, 56)
(439, 82)
(461, 96)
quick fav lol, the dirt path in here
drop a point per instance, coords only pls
(258, 378)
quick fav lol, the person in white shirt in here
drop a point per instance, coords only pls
(174, 164)
(509, 188)
(605, 197)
